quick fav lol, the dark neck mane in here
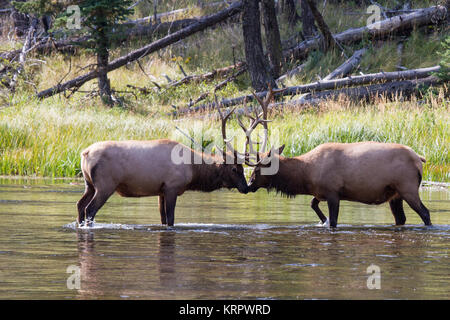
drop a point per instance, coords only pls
(206, 177)
(290, 178)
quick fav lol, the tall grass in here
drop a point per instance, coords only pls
(46, 139)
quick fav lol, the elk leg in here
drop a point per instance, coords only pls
(333, 208)
(315, 207)
(417, 205)
(96, 203)
(170, 201)
(85, 199)
(162, 210)
(397, 210)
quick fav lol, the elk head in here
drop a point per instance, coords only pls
(232, 165)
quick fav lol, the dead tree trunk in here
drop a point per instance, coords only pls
(347, 67)
(290, 11)
(23, 55)
(309, 28)
(273, 41)
(257, 63)
(328, 39)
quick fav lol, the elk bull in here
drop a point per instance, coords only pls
(146, 168)
(366, 172)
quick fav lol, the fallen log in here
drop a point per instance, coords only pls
(322, 85)
(348, 66)
(377, 30)
(389, 90)
(151, 19)
(200, 25)
(133, 32)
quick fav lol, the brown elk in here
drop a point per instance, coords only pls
(366, 172)
(146, 168)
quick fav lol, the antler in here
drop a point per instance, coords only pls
(224, 119)
(260, 118)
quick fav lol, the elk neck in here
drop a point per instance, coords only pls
(291, 178)
(206, 177)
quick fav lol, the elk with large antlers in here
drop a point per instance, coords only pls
(152, 168)
(366, 172)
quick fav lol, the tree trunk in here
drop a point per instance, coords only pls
(329, 41)
(309, 28)
(102, 65)
(21, 21)
(257, 63)
(104, 85)
(273, 41)
(290, 12)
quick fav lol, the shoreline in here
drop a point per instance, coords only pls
(424, 184)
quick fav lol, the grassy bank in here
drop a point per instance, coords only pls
(45, 139)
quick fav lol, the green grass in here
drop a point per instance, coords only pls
(45, 139)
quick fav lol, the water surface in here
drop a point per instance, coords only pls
(224, 246)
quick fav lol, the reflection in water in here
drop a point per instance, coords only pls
(166, 263)
(89, 269)
(224, 245)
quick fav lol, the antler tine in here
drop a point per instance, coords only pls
(224, 119)
(261, 118)
(269, 97)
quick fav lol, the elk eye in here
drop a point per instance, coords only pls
(234, 169)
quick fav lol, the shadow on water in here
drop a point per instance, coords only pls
(223, 245)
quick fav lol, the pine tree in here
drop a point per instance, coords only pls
(102, 17)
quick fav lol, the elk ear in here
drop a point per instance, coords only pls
(280, 150)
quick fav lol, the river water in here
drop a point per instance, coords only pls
(224, 246)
